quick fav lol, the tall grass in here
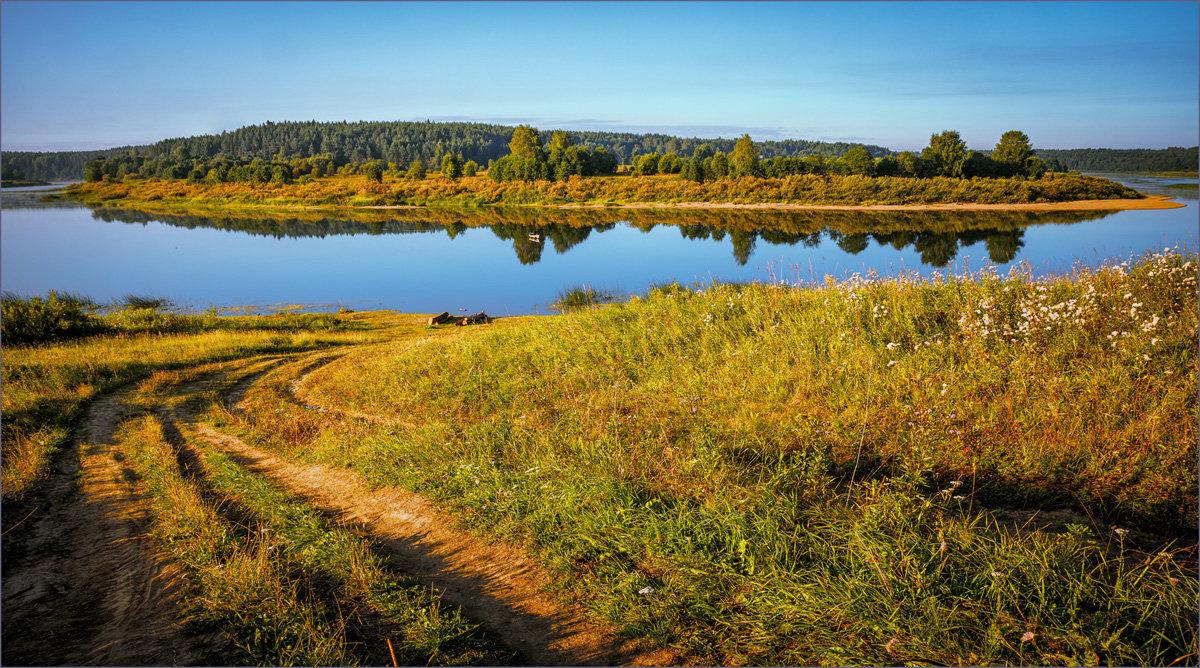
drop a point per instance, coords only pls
(829, 473)
(583, 296)
(26, 320)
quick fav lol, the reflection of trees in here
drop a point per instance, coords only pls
(852, 243)
(1003, 246)
(936, 249)
(936, 235)
(743, 245)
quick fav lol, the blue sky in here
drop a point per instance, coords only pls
(1072, 74)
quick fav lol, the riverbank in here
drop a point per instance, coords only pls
(807, 190)
(1147, 202)
(977, 470)
(22, 183)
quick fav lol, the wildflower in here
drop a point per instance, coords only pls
(997, 574)
(955, 483)
(891, 362)
(646, 590)
(888, 646)
(960, 497)
(1028, 636)
(1174, 581)
(1120, 532)
(893, 345)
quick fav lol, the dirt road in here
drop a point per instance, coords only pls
(84, 585)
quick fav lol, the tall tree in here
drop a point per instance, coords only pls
(559, 141)
(451, 166)
(1013, 147)
(744, 159)
(946, 154)
(525, 142)
(416, 171)
(1012, 151)
(717, 167)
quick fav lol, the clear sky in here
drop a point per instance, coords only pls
(82, 75)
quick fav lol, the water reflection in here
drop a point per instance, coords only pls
(937, 236)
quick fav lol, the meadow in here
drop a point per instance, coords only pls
(966, 469)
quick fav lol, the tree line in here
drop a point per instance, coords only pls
(946, 155)
(1174, 159)
(402, 143)
(398, 142)
(562, 159)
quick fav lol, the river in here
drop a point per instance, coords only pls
(516, 261)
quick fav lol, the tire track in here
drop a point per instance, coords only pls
(94, 590)
(499, 585)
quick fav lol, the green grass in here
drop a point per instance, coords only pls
(828, 474)
(47, 385)
(287, 586)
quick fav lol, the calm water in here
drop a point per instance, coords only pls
(517, 261)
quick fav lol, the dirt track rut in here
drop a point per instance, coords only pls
(88, 587)
(104, 598)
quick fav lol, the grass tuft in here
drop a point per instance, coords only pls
(583, 296)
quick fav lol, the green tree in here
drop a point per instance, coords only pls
(1012, 151)
(886, 166)
(93, 170)
(373, 171)
(978, 164)
(703, 151)
(1034, 167)
(416, 171)
(910, 164)
(946, 154)
(859, 160)
(602, 162)
(744, 159)
(525, 142)
(451, 166)
(718, 168)
(644, 165)
(559, 142)
(470, 168)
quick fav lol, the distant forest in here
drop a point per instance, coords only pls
(1174, 159)
(402, 143)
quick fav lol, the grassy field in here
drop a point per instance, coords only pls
(847, 473)
(973, 469)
